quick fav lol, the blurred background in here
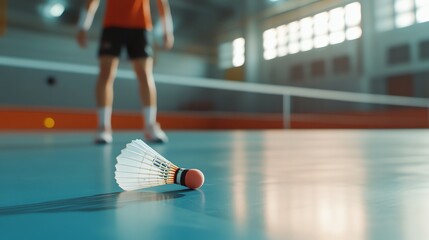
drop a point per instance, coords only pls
(371, 47)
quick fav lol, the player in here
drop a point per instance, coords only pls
(127, 24)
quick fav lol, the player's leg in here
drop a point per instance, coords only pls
(140, 52)
(109, 51)
(104, 97)
(143, 68)
(147, 89)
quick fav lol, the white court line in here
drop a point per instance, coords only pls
(225, 85)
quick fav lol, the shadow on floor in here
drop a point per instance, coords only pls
(100, 202)
(38, 145)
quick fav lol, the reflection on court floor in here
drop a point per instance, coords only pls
(322, 184)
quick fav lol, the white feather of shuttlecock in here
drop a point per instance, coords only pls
(139, 166)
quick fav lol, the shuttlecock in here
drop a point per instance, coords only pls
(139, 166)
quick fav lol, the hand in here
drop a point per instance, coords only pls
(82, 38)
(168, 41)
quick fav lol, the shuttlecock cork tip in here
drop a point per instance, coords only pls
(194, 178)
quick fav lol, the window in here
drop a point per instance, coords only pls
(270, 43)
(321, 29)
(384, 15)
(353, 18)
(238, 51)
(225, 55)
(318, 31)
(282, 41)
(306, 26)
(404, 10)
(422, 11)
(232, 54)
(393, 14)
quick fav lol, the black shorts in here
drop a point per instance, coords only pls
(136, 41)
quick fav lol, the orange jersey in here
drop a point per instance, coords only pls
(128, 14)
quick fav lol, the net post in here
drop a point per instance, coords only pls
(286, 111)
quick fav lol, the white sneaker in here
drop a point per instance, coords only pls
(155, 134)
(103, 137)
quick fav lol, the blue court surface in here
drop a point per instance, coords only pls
(279, 184)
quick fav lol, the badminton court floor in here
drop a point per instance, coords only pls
(277, 184)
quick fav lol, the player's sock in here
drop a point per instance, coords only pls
(104, 118)
(149, 115)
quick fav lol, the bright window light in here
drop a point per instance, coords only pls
(422, 3)
(270, 38)
(306, 25)
(270, 33)
(293, 36)
(282, 51)
(402, 13)
(281, 31)
(238, 47)
(238, 61)
(337, 37)
(293, 27)
(306, 45)
(238, 43)
(404, 19)
(238, 50)
(353, 14)
(336, 19)
(353, 33)
(321, 23)
(270, 54)
(318, 31)
(404, 5)
(294, 47)
(282, 40)
(423, 14)
(321, 41)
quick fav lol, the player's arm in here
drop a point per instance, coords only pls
(167, 23)
(85, 21)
